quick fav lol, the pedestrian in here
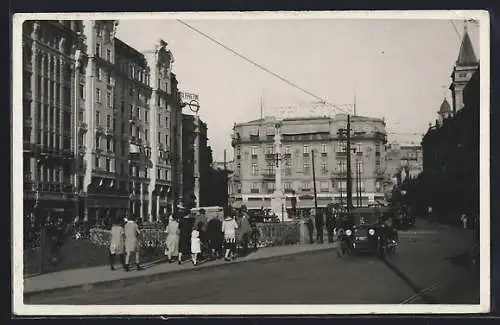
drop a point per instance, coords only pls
(195, 245)
(202, 223)
(215, 237)
(132, 233)
(429, 214)
(310, 228)
(319, 223)
(244, 230)
(116, 246)
(172, 244)
(463, 218)
(186, 225)
(330, 226)
(229, 227)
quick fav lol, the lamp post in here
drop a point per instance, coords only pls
(194, 106)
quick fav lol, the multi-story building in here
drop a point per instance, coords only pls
(163, 106)
(190, 170)
(403, 157)
(49, 79)
(450, 179)
(102, 140)
(253, 180)
(100, 134)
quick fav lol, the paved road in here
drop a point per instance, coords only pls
(426, 259)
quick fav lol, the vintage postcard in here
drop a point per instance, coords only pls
(251, 163)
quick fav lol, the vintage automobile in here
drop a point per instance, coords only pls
(364, 230)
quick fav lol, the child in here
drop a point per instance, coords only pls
(195, 245)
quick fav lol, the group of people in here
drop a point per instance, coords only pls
(321, 220)
(214, 237)
(187, 235)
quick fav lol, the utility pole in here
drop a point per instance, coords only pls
(226, 195)
(349, 175)
(314, 183)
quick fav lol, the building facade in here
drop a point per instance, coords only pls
(190, 170)
(253, 180)
(450, 179)
(50, 49)
(402, 161)
(99, 123)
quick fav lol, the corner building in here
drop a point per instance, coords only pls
(253, 181)
(49, 49)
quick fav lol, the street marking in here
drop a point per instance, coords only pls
(422, 292)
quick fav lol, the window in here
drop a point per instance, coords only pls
(269, 149)
(324, 186)
(323, 148)
(270, 186)
(108, 121)
(360, 186)
(108, 55)
(99, 74)
(359, 147)
(82, 91)
(123, 127)
(108, 98)
(98, 50)
(254, 169)
(108, 145)
(253, 152)
(159, 137)
(97, 118)
(377, 162)
(306, 186)
(99, 33)
(359, 166)
(342, 147)
(324, 168)
(158, 173)
(146, 116)
(114, 123)
(306, 149)
(166, 139)
(96, 162)
(288, 186)
(254, 188)
(146, 133)
(166, 121)
(307, 168)
(108, 164)
(97, 142)
(341, 166)
(98, 95)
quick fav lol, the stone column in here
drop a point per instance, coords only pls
(42, 101)
(278, 199)
(35, 115)
(157, 206)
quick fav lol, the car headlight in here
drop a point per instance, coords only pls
(371, 232)
(348, 232)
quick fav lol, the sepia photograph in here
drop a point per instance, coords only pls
(251, 163)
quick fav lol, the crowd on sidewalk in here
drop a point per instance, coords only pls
(188, 237)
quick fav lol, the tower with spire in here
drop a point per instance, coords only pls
(464, 68)
(444, 111)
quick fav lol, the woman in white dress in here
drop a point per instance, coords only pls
(172, 230)
(195, 245)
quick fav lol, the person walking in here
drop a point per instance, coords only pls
(319, 223)
(186, 225)
(430, 216)
(215, 237)
(330, 226)
(463, 218)
(229, 227)
(172, 244)
(132, 232)
(195, 245)
(244, 230)
(116, 246)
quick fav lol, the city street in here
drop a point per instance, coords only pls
(428, 260)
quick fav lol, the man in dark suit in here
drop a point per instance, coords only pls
(186, 225)
(319, 223)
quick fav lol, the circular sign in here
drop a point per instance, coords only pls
(194, 106)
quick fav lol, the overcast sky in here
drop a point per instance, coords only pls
(399, 68)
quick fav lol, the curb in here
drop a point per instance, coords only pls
(158, 276)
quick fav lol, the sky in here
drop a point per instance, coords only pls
(399, 69)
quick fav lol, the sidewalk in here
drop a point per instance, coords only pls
(102, 275)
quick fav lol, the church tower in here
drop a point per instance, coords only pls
(464, 68)
(444, 111)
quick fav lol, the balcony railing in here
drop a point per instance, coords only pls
(289, 190)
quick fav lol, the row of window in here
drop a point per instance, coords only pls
(324, 186)
(306, 168)
(99, 54)
(270, 149)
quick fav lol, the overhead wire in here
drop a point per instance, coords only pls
(294, 85)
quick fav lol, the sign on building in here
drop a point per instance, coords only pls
(187, 97)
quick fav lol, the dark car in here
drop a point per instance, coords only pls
(364, 230)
